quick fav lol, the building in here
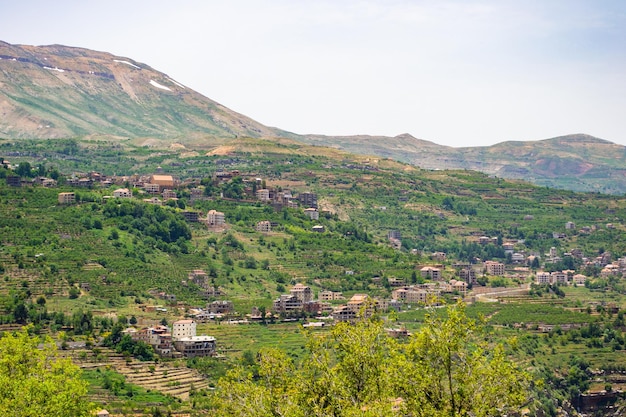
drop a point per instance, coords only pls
(168, 194)
(14, 181)
(287, 303)
(468, 274)
(431, 273)
(494, 268)
(264, 226)
(558, 277)
(312, 213)
(159, 337)
(221, 307)
(122, 193)
(152, 188)
(410, 295)
(570, 226)
(318, 228)
(192, 346)
(394, 234)
(163, 181)
(357, 302)
(542, 278)
(263, 194)
(343, 313)
(215, 218)
(67, 198)
(330, 296)
(191, 216)
(518, 258)
(302, 293)
(198, 277)
(459, 286)
(183, 328)
(579, 280)
(508, 247)
(153, 200)
(308, 199)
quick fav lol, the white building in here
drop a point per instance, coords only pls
(542, 278)
(122, 193)
(312, 213)
(183, 328)
(215, 218)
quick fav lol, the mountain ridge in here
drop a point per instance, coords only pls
(56, 91)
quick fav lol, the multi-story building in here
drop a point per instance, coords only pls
(263, 194)
(287, 303)
(302, 292)
(264, 226)
(494, 268)
(168, 194)
(183, 328)
(330, 295)
(410, 295)
(394, 234)
(151, 188)
(220, 307)
(468, 275)
(431, 273)
(67, 198)
(558, 277)
(542, 278)
(194, 346)
(191, 216)
(122, 193)
(215, 218)
(308, 199)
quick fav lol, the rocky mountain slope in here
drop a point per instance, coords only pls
(60, 92)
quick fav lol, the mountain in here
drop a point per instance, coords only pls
(61, 92)
(576, 162)
(58, 92)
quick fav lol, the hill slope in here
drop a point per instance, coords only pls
(58, 91)
(575, 162)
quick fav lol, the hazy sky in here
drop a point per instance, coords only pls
(459, 73)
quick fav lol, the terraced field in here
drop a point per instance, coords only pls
(162, 377)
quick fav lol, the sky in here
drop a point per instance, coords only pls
(458, 73)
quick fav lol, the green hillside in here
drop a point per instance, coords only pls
(73, 270)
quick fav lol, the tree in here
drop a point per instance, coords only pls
(444, 369)
(24, 169)
(36, 382)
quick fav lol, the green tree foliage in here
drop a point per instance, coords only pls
(444, 369)
(24, 169)
(36, 382)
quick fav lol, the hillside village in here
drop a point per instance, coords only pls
(204, 264)
(430, 284)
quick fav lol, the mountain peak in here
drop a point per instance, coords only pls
(59, 91)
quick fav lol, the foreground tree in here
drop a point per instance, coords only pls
(34, 381)
(444, 369)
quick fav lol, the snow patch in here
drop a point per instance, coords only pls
(127, 63)
(54, 69)
(177, 83)
(157, 85)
